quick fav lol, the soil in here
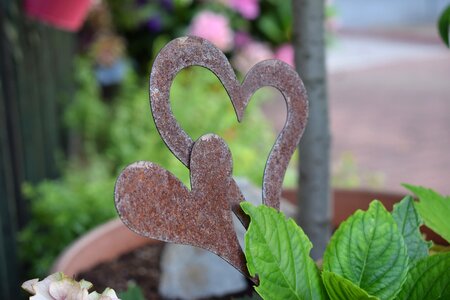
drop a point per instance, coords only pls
(140, 266)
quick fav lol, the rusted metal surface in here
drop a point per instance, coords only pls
(188, 51)
(153, 203)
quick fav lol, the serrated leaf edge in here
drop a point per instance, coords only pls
(351, 220)
(246, 207)
(348, 281)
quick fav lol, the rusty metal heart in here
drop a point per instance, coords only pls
(189, 51)
(154, 203)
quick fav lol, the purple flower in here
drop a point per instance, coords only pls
(285, 53)
(213, 27)
(154, 24)
(167, 4)
(241, 39)
(141, 2)
(249, 9)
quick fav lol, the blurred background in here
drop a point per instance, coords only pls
(74, 103)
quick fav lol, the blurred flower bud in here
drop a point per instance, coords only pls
(285, 53)
(249, 55)
(213, 27)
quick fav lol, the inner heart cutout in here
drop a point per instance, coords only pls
(194, 51)
(154, 203)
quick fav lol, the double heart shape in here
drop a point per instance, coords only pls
(154, 203)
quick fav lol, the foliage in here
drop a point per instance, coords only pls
(339, 287)
(280, 262)
(434, 209)
(62, 210)
(348, 175)
(408, 222)
(116, 133)
(133, 292)
(200, 104)
(428, 279)
(147, 25)
(374, 254)
(368, 249)
(444, 26)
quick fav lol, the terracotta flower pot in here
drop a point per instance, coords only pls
(64, 14)
(113, 239)
(102, 244)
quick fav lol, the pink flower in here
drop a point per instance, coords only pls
(285, 53)
(249, 55)
(249, 9)
(241, 39)
(213, 27)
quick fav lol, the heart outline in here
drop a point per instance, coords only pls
(154, 203)
(195, 51)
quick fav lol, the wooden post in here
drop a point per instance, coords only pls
(314, 179)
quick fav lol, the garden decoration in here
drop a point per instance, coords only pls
(154, 203)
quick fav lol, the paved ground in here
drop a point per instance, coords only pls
(390, 107)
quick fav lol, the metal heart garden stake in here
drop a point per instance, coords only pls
(154, 203)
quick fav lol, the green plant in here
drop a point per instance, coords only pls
(147, 25)
(444, 26)
(434, 209)
(62, 210)
(374, 254)
(348, 175)
(133, 292)
(200, 105)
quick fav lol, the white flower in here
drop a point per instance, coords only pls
(60, 287)
(108, 294)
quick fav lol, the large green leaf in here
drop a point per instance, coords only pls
(434, 209)
(368, 249)
(408, 222)
(339, 288)
(444, 26)
(428, 279)
(277, 251)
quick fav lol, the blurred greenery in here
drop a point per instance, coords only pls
(118, 132)
(347, 174)
(444, 26)
(145, 23)
(133, 292)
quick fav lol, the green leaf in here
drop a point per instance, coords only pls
(339, 288)
(434, 209)
(408, 222)
(444, 26)
(268, 25)
(368, 249)
(277, 250)
(428, 279)
(133, 292)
